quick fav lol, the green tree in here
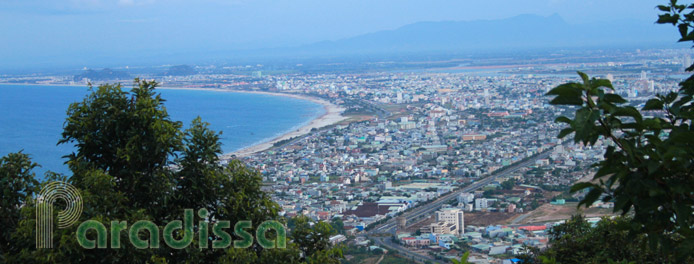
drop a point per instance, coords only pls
(648, 167)
(127, 135)
(132, 162)
(313, 239)
(17, 184)
(338, 225)
(576, 241)
(508, 184)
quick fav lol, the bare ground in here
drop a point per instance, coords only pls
(550, 212)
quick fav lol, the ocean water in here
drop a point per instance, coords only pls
(32, 117)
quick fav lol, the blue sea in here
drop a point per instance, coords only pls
(32, 117)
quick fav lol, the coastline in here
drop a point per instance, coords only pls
(332, 115)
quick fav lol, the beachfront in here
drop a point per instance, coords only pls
(332, 115)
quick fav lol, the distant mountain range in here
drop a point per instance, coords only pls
(180, 70)
(102, 75)
(520, 32)
(423, 40)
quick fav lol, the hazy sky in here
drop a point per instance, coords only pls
(48, 30)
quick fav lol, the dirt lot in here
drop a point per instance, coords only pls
(355, 118)
(488, 218)
(550, 212)
(413, 227)
(474, 218)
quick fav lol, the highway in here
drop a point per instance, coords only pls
(389, 227)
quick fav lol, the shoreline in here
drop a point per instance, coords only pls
(332, 115)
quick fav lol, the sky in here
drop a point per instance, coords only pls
(45, 32)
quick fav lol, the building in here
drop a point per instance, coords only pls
(453, 216)
(336, 239)
(402, 222)
(511, 208)
(415, 241)
(440, 228)
(481, 203)
(468, 137)
(466, 198)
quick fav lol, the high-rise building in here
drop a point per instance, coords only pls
(453, 216)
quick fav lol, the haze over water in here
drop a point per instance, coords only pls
(32, 117)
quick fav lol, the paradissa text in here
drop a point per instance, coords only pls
(222, 238)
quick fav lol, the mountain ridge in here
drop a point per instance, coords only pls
(518, 32)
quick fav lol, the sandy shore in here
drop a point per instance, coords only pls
(332, 115)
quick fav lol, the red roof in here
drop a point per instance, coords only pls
(532, 228)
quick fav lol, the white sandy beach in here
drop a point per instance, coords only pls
(332, 115)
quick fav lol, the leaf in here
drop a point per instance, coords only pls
(564, 100)
(604, 171)
(629, 111)
(564, 132)
(601, 83)
(584, 124)
(664, 8)
(584, 77)
(667, 19)
(567, 89)
(614, 98)
(653, 104)
(591, 197)
(683, 28)
(562, 119)
(581, 186)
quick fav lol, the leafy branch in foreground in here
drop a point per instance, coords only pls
(647, 168)
(577, 241)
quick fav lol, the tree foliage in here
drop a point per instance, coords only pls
(577, 241)
(313, 239)
(17, 185)
(648, 168)
(463, 259)
(132, 162)
(338, 225)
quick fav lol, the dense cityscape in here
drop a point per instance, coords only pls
(429, 163)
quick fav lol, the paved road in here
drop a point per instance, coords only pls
(389, 226)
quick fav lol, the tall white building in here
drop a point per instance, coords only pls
(453, 216)
(481, 203)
